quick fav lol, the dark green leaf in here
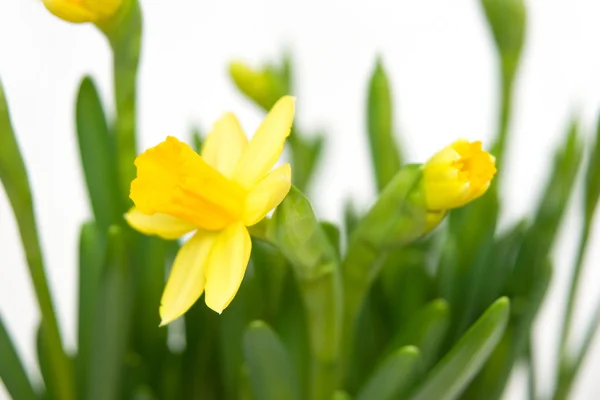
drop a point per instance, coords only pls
(97, 151)
(272, 374)
(592, 178)
(92, 247)
(426, 330)
(393, 377)
(453, 373)
(111, 324)
(385, 155)
(12, 372)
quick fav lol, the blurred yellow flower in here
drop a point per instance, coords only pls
(218, 194)
(83, 10)
(457, 174)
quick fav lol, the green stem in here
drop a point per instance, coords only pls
(322, 299)
(499, 146)
(124, 33)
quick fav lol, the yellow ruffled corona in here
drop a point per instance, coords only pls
(79, 11)
(457, 175)
(217, 194)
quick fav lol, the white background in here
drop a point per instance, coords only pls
(438, 53)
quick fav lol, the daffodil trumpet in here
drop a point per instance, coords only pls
(230, 186)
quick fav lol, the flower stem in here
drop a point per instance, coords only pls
(124, 33)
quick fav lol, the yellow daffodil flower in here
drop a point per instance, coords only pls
(457, 174)
(83, 10)
(217, 194)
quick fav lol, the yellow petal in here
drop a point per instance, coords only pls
(173, 179)
(163, 225)
(267, 194)
(83, 10)
(188, 276)
(225, 144)
(227, 265)
(266, 146)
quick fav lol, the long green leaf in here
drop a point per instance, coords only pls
(453, 373)
(393, 377)
(97, 152)
(12, 372)
(92, 247)
(385, 154)
(272, 374)
(425, 331)
(16, 184)
(111, 320)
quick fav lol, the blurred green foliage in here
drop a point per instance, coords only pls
(379, 308)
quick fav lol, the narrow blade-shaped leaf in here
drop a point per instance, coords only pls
(393, 377)
(111, 320)
(453, 373)
(272, 374)
(92, 248)
(13, 176)
(97, 152)
(12, 372)
(385, 154)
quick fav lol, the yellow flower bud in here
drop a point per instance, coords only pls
(457, 174)
(83, 10)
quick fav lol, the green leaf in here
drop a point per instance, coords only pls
(296, 231)
(92, 247)
(263, 86)
(351, 217)
(553, 203)
(111, 324)
(270, 269)
(16, 184)
(333, 233)
(272, 375)
(97, 151)
(426, 331)
(150, 341)
(197, 140)
(592, 178)
(493, 379)
(393, 377)
(405, 281)
(12, 372)
(385, 154)
(397, 217)
(453, 373)
(304, 154)
(507, 20)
